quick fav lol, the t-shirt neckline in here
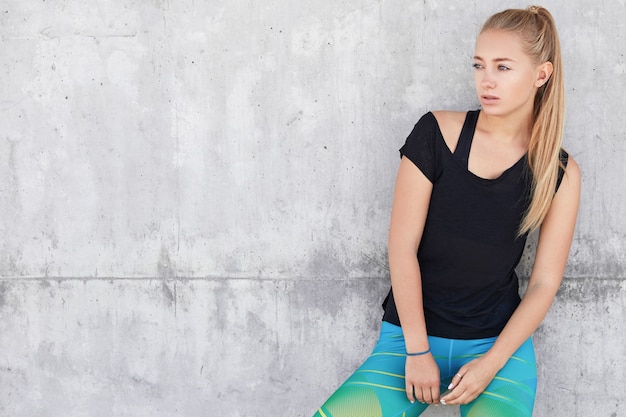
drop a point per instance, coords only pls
(464, 165)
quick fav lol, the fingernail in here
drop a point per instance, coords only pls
(443, 402)
(412, 401)
(450, 386)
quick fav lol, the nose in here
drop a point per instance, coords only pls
(487, 80)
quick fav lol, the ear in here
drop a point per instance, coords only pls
(544, 71)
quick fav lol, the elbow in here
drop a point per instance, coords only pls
(548, 286)
(399, 250)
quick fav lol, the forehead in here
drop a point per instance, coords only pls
(498, 44)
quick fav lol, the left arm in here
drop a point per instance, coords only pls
(555, 238)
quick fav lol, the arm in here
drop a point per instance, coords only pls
(410, 207)
(555, 238)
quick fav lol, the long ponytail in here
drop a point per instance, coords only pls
(540, 40)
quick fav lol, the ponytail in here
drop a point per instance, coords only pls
(540, 40)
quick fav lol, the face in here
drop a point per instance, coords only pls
(505, 76)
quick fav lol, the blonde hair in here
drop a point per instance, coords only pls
(537, 32)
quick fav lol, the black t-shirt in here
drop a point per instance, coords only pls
(469, 247)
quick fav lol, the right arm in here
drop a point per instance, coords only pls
(408, 216)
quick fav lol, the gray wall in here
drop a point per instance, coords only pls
(195, 198)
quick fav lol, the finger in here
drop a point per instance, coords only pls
(428, 396)
(455, 380)
(451, 396)
(468, 399)
(419, 394)
(409, 393)
(468, 396)
(435, 392)
(465, 398)
(450, 399)
(459, 396)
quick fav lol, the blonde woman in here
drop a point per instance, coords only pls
(470, 188)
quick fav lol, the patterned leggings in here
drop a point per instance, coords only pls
(377, 388)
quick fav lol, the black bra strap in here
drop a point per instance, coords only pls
(465, 138)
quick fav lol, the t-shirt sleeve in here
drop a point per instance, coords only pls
(420, 147)
(563, 157)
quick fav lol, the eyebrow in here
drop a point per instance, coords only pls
(495, 59)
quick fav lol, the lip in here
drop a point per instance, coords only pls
(489, 99)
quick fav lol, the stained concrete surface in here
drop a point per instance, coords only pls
(195, 199)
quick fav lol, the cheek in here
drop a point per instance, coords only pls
(524, 82)
(528, 79)
(527, 84)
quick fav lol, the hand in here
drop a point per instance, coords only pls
(422, 379)
(470, 381)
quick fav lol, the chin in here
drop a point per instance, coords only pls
(493, 110)
(500, 110)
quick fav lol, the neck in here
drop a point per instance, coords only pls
(510, 128)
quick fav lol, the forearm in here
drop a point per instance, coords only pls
(524, 321)
(407, 292)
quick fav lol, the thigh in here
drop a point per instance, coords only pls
(377, 388)
(512, 391)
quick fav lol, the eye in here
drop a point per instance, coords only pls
(503, 68)
(476, 65)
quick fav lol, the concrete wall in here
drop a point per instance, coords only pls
(195, 198)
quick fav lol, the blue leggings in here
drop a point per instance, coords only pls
(377, 388)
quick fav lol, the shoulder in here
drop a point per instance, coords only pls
(446, 117)
(572, 170)
(568, 182)
(567, 167)
(450, 124)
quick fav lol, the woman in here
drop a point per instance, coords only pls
(470, 188)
